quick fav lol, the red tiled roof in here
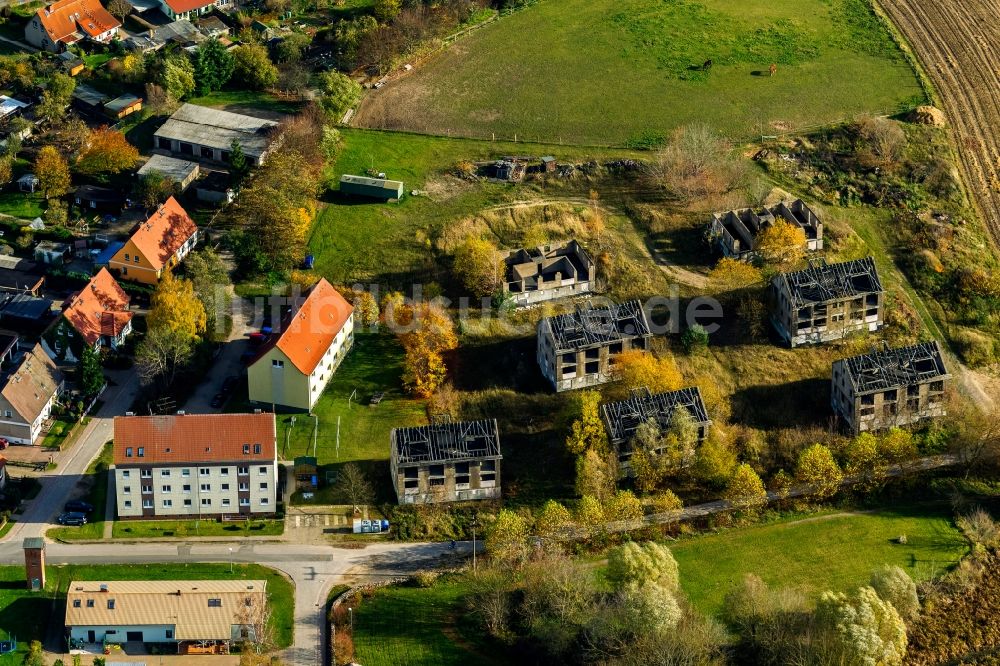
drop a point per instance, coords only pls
(98, 309)
(181, 6)
(194, 438)
(308, 332)
(63, 18)
(163, 233)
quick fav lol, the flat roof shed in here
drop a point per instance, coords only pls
(203, 126)
(182, 172)
(376, 188)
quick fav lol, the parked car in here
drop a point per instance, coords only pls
(229, 384)
(72, 518)
(78, 506)
(217, 400)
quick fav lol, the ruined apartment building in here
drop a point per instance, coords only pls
(889, 387)
(547, 272)
(446, 462)
(826, 301)
(623, 418)
(577, 349)
(734, 233)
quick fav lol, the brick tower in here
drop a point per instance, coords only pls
(34, 562)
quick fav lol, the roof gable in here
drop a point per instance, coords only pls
(163, 233)
(29, 388)
(100, 308)
(195, 438)
(63, 18)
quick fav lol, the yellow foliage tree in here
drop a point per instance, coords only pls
(636, 369)
(52, 172)
(107, 151)
(781, 243)
(432, 334)
(589, 513)
(176, 308)
(817, 468)
(587, 431)
(897, 445)
(733, 275)
(479, 264)
(595, 474)
(623, 505)
(864, 460)
(745, 490)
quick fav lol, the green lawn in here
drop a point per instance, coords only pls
(407, 626)
(176, 529)
(374, 364)
(98, 471)
(617, 71)
(833, 551)
(26, 615)
(22, 205)
(96, 60)
(248, 99)
(58, 441)
(389, 243)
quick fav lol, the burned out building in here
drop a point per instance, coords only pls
(827, 301)
(446, 462)
(889, 387)
(549, 271)
(734, 233)
(577, 349)
(624, 417)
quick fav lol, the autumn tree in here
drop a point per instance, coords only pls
(894, 585)
(161, 353)
(695, 339)
(176, 75)
(862, 628)
(212, 285)
(586, 431)
(154, 188)
(715, 462)
(507, 537)
(552, 518)
(623, 505)
(52, 172)
(56, 97)
(881, 142)
(595, 474)
(697, 162)
(864, 461)
(668, 502)
(120, 8)
(589, 513)
(734, 275)
(431, 334)
(253, 67)
(633, 564)
(6, 170)
(366, 307)
(174, 307)
(338, 94)
(480, 266)
(213, 66)
(239, 167)
(781, 243)
(636, 369)
(386, 10)
(56, 213)
(745, 490)
(108, 151)
(69, 135)
(817, 468)
(896, 445)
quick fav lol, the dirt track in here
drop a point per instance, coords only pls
(958, 44)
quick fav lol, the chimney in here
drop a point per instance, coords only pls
(181, 412)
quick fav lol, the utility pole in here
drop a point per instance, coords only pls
(338, 437)
(315, 432)
(475, 523)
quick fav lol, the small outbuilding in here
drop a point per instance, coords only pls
(122, 106)
(28, 182)
(548, 164)
(52, 253)
(306, 473)
(182, 172)
(374, 188)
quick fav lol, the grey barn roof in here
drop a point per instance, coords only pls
(204, 126)
(625, 416)
(170, 167)
(441, 442)
(590, 326)
(892, 368)
(823, 282)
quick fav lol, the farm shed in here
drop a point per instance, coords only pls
(375, 188)
(204, 133)
(122, 106)
(182, 172)
(446, 462)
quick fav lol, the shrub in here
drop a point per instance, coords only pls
(892, 584)
(695, 339)
(425, 578)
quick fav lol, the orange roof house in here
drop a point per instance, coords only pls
(188, 9)
(161, 242)
(68, 21)
(295, 365)
(194, 438)
(99, 312)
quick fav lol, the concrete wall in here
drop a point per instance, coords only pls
(880, 410)
(423, 492)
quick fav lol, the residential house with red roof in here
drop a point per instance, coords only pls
(190, 9)
(66, 22)
(195, 465)
(297, 362)
(97, 316)
(159, 243)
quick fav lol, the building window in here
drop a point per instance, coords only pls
(224, 471)
(128, 504)
(141, 451)
(185, 472)
(147, 504)
(263, 486)
(147, 489)
(126, 256)
(242, 470)
(167, 504)
(90, 603)
(262, 471)
(186, 488)
(256, 449)
(125, 474)
(215, 603)
(206, 501)
(76, 603)
(275, 363)
(244, 486)
(169, 633)
(204, 471)
(128, 451)
(206, 487)
(127, 490)
(187, 502)
(165, 489)
(225, 502)
(111, 604)
(264, 500)
(164, 472)
(225, 486)
(246, 449)
(244, 501)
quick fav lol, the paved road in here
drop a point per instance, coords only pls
(313, 569)
(72, 464)
(227, 363)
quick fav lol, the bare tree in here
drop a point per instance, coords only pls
(353, 486)
(160, 354)
(256, 627)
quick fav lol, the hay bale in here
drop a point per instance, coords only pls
(928, 115)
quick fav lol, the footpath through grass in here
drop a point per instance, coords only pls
(627, 71)
(97, 474)
(209, 527)
(826, 552)
(26, 615)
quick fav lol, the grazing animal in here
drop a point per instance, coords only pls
(707, 66)
(773, 68)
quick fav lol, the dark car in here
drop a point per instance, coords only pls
(218, 400)
(78, 506)
(229, 384)
(72, 518)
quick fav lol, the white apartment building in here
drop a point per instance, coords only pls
(195, 465)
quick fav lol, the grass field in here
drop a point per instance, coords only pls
(826, 552)
(235, 100)
(615, 71)
(97, 472)
(19, 204)
(176, 529)
(26, 615)
(408, 626)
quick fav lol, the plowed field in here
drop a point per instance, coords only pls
(958, 43)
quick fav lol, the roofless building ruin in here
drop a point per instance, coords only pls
(624, 417)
